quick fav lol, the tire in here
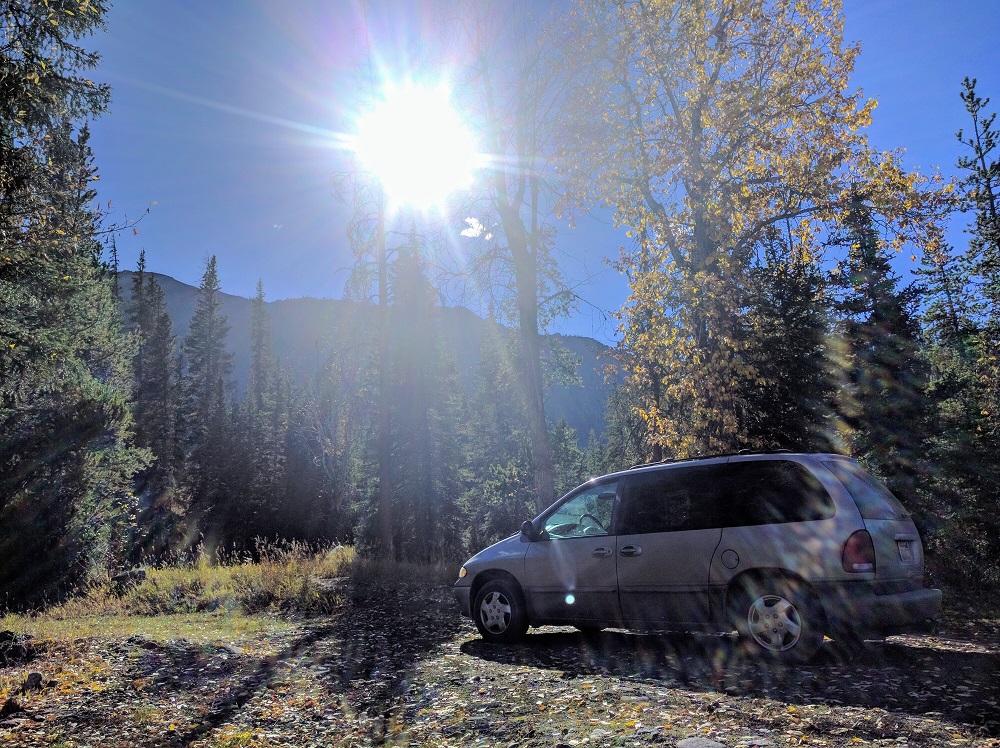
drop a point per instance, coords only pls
(778, 619)
(499, 612)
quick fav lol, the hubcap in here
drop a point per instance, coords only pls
(494, 612)
(774, 623)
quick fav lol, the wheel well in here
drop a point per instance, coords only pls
(488, 576)
(739, 582)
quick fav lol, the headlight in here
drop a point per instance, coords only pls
(462, 572)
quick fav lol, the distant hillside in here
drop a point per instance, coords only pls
(307, 331)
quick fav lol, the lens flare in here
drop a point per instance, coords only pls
(417, 145)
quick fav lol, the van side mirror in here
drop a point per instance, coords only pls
(528, 530)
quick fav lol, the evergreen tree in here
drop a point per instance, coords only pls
(155, 403)
(426, 455)
(595, 457)
(787, 324)
(626, 432)
(66, 453)
(204, 407)
(567, 458)
(881, 397)
(331, 472)
(500, 493)
(264, 425)
(982, 196)
(962, 342)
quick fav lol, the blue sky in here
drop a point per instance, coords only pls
(219, 110)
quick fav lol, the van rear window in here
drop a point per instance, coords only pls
(874, 500)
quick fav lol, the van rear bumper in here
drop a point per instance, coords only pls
(858, 606)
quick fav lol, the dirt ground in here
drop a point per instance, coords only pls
(403, 668)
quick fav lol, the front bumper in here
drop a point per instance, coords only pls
(463, 593)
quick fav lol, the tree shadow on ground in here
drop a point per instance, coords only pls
(361, 655)
(387, 633)
(916, 675)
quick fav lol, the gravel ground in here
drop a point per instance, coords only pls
(401, 667)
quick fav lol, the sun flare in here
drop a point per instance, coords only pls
(415, 142)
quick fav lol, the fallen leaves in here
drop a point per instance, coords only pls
(368, 676)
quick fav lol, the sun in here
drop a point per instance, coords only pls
(414, 141)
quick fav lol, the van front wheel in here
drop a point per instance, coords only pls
(499, 612)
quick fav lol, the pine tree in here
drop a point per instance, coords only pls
(881, 397)
(65, 449)
(626, 432)
(425, 453)
(264, 423)
(331, 471)
(982, 196)
(787, 326)
(962, 336)
(567, 457)
(156, 402)
(500, 493)
(982, 193)
(66, 453)
(207, 365)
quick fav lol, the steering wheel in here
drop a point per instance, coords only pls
(593, 519)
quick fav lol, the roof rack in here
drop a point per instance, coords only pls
(738, 453)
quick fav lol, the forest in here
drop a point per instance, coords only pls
(764, 309)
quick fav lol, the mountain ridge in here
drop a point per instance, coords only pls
(307, 331)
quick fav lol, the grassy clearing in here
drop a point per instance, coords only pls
(203, 597)
(199, 628)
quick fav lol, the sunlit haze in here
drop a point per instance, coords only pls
(256, 190)
(416, 144)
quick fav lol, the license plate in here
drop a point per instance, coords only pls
(905, 550)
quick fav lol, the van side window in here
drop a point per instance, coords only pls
(767, 492)
(670, 500)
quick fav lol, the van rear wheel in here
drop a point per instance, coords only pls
(778, 618)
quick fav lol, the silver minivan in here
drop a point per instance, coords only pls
(782, 548)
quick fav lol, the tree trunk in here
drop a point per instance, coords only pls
(526, 274)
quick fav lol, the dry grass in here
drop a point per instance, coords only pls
(290, 579)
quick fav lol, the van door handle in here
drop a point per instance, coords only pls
(601, 552)
(631, 550)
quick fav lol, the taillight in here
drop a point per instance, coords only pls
(859, 552)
